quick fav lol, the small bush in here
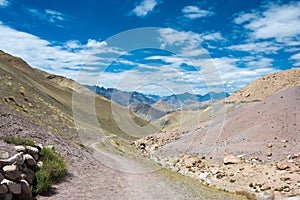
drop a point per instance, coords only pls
(19, 141)
(52, 170)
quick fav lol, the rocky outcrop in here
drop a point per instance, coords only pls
(17, 173)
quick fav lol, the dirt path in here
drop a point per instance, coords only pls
(117, 177)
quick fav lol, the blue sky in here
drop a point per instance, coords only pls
(193, 46)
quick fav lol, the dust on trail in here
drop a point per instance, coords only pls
(123, 178)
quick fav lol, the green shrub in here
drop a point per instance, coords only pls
(19, 141)
(52, 170)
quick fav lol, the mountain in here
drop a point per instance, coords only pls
(121, 97)
(134, 98)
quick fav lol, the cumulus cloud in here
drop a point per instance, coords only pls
(280, 22)
(193, 12)
(296, 57)
(144, 8)
(257, 47)
(65, 60)
(4, 3)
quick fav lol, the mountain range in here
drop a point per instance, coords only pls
(134, 98)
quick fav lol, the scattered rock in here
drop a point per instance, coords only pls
(25, 191)
(270, 145)
(4, 155)
(12, 172)
(32, 150)
(265, 187)
(20, 148)
(231, 159)
(14, 188)
(282, 166)
(3, 189)
(29, 160)
(269, 154)
(17, 159)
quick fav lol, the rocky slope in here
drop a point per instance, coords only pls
(266, 86)
(262, 137)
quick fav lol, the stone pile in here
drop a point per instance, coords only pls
(17, 173)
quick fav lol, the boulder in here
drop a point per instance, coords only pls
(29, 160)
(39, 164)
(231, 159)
(3, 189)
(12, 172)
(25, 191)
(282, 166)
(17, 159)
(32, 150)
(14, 188)
(8, 196)
(4, 155)
(20, 148)
(29, 176)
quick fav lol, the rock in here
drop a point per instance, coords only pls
(8, 196)
(17, 159)
(231, 159)
(203, 176)
(29, 176)
(232, 180)
(32, 150)
(3, 189)
(25, 191)
(14, 188)
(39, 164)
(270, 145)
(20, 148)
(191, 161)
(12, 172)
(29, 160)
(269, 154)
(1, 177)
(265, 187)
(286, 188)
(4, 155)
(282, 166)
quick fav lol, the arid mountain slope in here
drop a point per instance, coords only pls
(266, 86)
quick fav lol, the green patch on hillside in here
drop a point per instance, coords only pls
(53, 169)
(19, 141)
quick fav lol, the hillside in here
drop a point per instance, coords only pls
(41, 106)
(266, 86)
(261, 135)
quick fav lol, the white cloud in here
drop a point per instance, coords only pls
(65, 60)
(281, 22)
(194, 12)
(4, 3)
(296, 57)
(144, 8)
(257, 47)
(51, 16)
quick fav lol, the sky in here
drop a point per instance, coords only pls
(154, 46)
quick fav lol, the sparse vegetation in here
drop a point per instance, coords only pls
(246, 194)
(19, 141)
(52, 170)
